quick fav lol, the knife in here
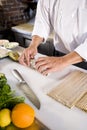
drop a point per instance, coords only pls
(26, 88)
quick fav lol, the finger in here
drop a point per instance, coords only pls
(22, 62)
(41, 63)
(32, 56)
(42, 68)
(46, 71)
(21, 59)
(42, 59)
(26, 58)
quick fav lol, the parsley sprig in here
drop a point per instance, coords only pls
(8, 97)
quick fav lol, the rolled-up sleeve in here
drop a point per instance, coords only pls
(82, 50)
(42, 24)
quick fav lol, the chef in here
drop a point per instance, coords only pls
(67, 19)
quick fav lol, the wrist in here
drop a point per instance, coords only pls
(36, 41)
(72, 58)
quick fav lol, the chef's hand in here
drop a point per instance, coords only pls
(46, 65)
(27, 54)
(31, 51)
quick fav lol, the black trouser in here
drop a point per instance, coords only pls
(48, 49)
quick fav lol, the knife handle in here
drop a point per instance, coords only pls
(17, 75)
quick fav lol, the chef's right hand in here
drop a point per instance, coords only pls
(28, 54)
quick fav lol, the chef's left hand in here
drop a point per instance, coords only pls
(47, 64)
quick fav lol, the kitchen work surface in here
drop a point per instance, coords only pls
(53, 114)
(26, 29)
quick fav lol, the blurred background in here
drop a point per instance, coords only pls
(13, 13)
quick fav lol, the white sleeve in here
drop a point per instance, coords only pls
(42, 22)
(82, 50)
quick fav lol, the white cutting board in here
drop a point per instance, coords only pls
(53, 114)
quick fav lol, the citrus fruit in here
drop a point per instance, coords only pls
(22, 115)
(5, 117)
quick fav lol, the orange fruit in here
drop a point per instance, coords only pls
(22, 115)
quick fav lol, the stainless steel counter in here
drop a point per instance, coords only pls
(26, 29)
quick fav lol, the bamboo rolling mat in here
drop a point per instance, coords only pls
(82, 103)
(71, 89)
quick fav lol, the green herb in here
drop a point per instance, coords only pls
(8, 97)
(3, 79)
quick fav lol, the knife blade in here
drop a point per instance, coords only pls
(26, 88)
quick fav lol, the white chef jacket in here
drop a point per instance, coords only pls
(68, 20)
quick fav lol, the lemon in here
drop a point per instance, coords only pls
(5, 118)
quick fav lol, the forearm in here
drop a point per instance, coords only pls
(72, 58)
(36, 41)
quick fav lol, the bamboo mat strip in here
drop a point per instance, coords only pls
(82, 103)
